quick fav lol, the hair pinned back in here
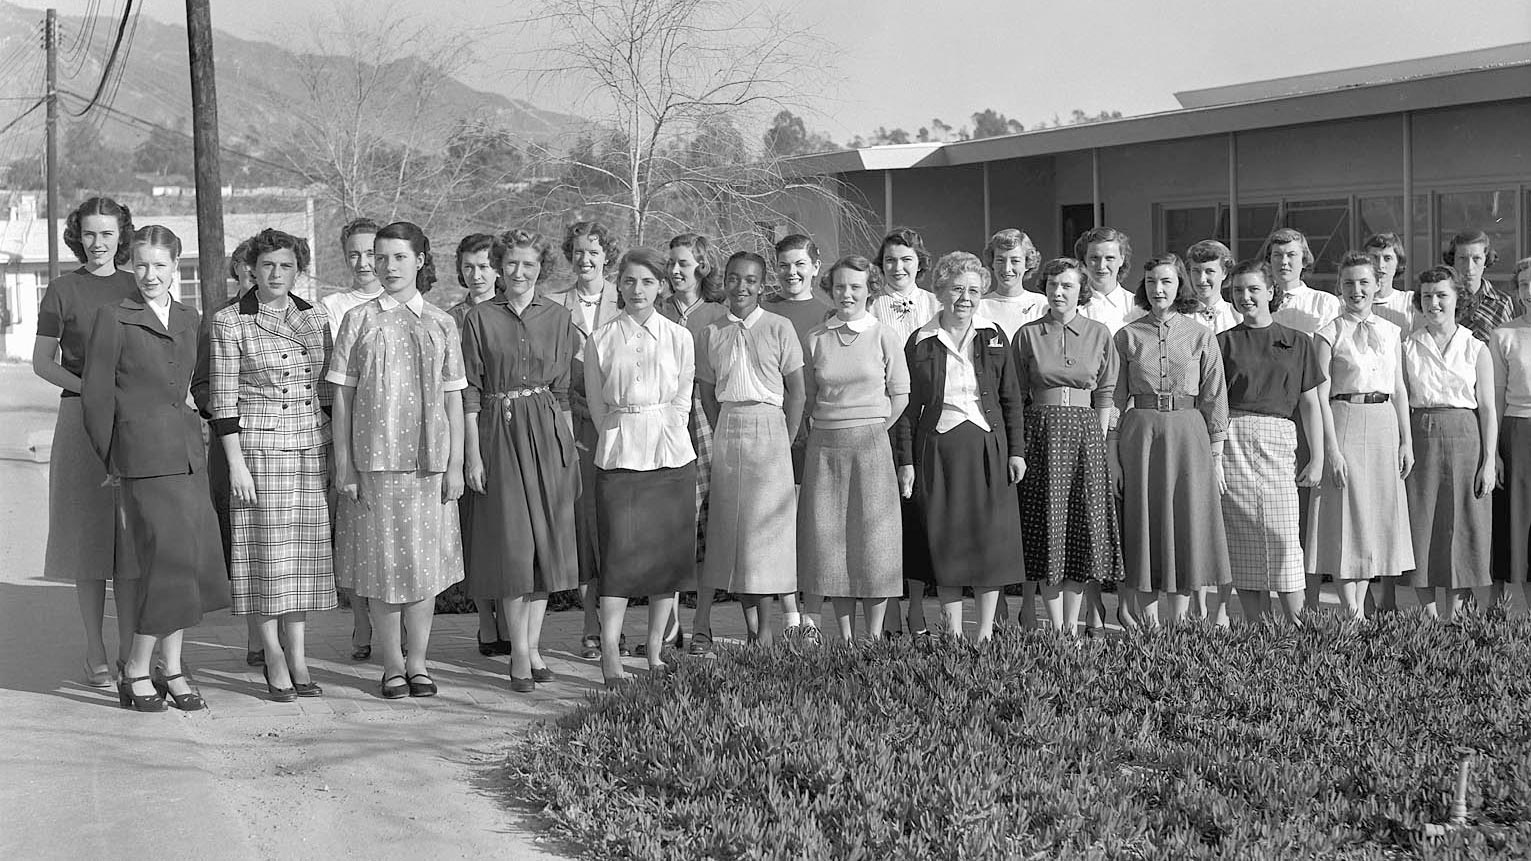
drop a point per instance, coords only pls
(798, 242)
(1381, 241)
(473, 243)
(911, 239)
(1282, 236)
(410, 232)
(1010, 239)
(708, 277)
(358, 226)
(157, 236)
(1099, 235)
(109, 208)
(1059, 265)
(1261, 270)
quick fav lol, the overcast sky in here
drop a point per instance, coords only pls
(902, 62)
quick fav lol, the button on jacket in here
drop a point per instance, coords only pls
(999, 391)
(137, 374)
(267, 374)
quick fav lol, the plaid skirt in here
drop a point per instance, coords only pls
(1260, 507)
(280, 560)
(849, 545)
(1451, 526)
(1068, 512)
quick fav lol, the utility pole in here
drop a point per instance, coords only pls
(204, 134)
(50, 166)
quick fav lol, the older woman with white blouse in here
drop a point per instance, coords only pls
(639, 371)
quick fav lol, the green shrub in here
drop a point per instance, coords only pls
(1331, 742)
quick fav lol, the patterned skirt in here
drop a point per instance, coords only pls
(643, 516)
(1068, 513)
(399, 543)
(752, 520)
(280, 546)
(1172, 520)
(971, 513)
(1359, 531)
(85, 536)
(849, 543)
(1451, 526)
(1260, 507)
(174, 534)
(1512, 503)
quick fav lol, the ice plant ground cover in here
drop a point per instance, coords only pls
(1336, 741)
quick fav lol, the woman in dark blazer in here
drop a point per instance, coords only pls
(959, 446)
(138, 371)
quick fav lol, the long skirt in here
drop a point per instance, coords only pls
(648, 524)
(1512, 503)
(1068, 512)
(752, 519)
(1451, 526)
(85, 538)
(175, 542)
(1260, 507)
(280, 546)
(971, 513)
(701, 442)
(1358, 532)
(586, 532)
(849, 543)
(1172, 518)
(399, 543)
(520, 533)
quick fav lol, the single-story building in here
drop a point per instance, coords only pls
(1335, 155)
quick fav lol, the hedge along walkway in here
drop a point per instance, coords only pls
(1334, 743)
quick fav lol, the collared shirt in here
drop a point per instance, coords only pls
(1488, 310)
(505, 350)
(266, 374)
(1442, 378)
(905, 313)
(1268, 369)
(856, 367)
(638, 379)
(1173, 357)
(1010, 313)
(749, 359)
(1397, 308)
(1075, 355)
(961, 403)
(1363, 354)
(1219, 316)
(695, 317)
(1510, 348)
(161, 310)
(1115, 310)
(460, 311)
(1306, 310)
(337, 305)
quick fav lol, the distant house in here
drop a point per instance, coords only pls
(24, 261)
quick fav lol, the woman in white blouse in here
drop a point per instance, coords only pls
(1456, 432)
(639, 371)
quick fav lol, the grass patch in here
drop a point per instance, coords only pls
(1331, 742)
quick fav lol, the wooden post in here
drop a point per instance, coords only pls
(204, 133)
(50, 159)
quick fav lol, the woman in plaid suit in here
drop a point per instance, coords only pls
(269, 403)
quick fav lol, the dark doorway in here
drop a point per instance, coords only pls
(1077, 219)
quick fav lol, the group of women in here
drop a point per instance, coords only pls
(669, 424)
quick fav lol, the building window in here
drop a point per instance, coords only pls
(191, 287)
(1495, 212)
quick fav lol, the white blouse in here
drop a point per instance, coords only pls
(961, 403)
(1511, 352)
(1364, 355)
(1307, 310)
(638, 380)
(1438, 378)
(1115, 310)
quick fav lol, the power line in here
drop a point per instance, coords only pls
(87, 37)
(35, 105)
(111, 60)
(150, 125)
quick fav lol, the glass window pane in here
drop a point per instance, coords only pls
(1326, 223)
(1256, 221)
(1385, 215)
(1188, 226)
(1496, 213)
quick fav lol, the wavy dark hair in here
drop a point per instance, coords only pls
(1185, 301)
(1437, 274)
(1261, 269)
(911, 239)
(109, 208)
(798, 242)
(1470, 236)
(1059, 265)
(472, 244)
(519, 237)
(709, 278)
(597, 231)
(410, 232)
(237, 259)
(270, 240)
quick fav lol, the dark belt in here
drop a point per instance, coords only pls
(1164, 402)
(1061, 396)
(1363, 397)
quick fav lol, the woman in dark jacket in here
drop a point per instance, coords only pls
(959, 446)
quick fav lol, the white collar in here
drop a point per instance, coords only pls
(933, 330)
(417, 304)
(631, 325)
(861, 324)
(749, 321)
(1299, 287)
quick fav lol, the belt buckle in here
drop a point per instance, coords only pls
(1164, 401)
(1068, 397)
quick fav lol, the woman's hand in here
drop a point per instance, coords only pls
(1017, 469)
(1498, 470)
(473, 473)
(241, 483)
(1114, 470)
(347, 483)
(1217, 473)
(1312, 473)
(1339, 472)
(1486, 480)
(451, 485)
(1405, 459)
(906, 481)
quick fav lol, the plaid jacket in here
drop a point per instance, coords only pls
(267, 375)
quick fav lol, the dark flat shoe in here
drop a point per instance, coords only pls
(307, 689)
(701, 643)
(590, 648)
(394, 692)
(255, 658)
(361, 653)
(622, 648)
(493, 648)
(543, 674)
(523, 686)
(426, 688)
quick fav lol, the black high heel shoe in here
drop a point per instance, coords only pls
(139, 702)
(278, 695)
(190, 701)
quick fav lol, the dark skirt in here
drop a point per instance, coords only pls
(180, 559)
(586, 531)
(647, 530)
(1512, 503)
(85, 536)
(848, 544)
(1068, 512)
(519, 537)
(1172, 516)
(970, 510)
(1451, 526)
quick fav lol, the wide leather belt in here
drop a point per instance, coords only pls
(1061, 396)
(1163, 402)
(1362, 397)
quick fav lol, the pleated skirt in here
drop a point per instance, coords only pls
(1451, 526)
(399, 543)
(752, 505)
(280, 546)
(1068, 512)
(84, 521)
(1260, 507)
(175, 542)
(520, 533)
(1360, 531)
(849, 543)
(647, 526)
(1172, 517)
(1512, 503)
(970, 511)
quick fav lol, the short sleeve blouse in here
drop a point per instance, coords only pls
(68, 310)
(1442, 378)
(1360, 363)
(1268, 368)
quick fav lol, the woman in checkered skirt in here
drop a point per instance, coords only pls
(269, 352)
(1272, 372)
